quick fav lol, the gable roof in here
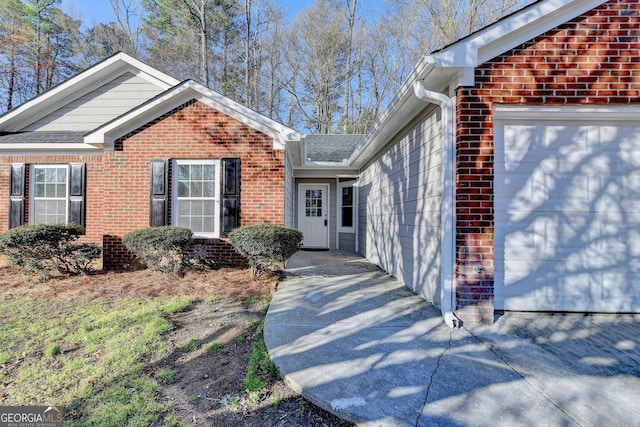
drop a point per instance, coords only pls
(453, 66)
(177, 96)
(173, 94)
(82, 83)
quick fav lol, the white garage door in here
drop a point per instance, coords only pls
(567, 211)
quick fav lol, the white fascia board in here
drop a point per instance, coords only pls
(324, 173)
(179, 95)
(512, 31)
(316, 164)
(79, 85)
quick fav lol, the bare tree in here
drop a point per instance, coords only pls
(13, 34)
(128, 14)
(198, 10)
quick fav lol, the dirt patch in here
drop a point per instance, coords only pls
(211, 343)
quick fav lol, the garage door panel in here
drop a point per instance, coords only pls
(567, 215)
(585, 291)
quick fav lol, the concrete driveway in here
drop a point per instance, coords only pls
(356, 342)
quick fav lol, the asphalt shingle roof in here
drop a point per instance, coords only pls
(331, 148)
(42, 138)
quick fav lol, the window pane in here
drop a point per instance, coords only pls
(209, 208)
(196, 172)
(208, 225)
(183, 189)
(209, 189)
(196, 208)
(184, 209)
(196, 189)
(196, 224)
(347, 216)
(209, 172)
(183, 221)
(347, 196)
(39, 190)
(183, 172)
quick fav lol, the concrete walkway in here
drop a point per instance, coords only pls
(357, 343)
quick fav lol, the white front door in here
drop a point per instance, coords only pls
(313, 215)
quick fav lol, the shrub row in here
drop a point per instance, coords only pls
(43, 248)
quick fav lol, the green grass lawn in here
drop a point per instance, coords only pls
(58, 352)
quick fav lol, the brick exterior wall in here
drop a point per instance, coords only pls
(591, 60)
(118, 181)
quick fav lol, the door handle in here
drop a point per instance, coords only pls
(325, 222)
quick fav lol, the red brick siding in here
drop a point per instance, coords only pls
(593, 59)
(118, 182)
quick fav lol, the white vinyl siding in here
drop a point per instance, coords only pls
(50, 194)
(197, 196)
(567, 212)
(400, 207)
(98, 106)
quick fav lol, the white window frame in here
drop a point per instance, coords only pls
(175, 201)
(32, 191)
(341, 186)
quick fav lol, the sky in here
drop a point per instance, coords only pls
(101, 11)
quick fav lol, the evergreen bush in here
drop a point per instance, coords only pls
(42, 248)
(266, 246)
(164, 249)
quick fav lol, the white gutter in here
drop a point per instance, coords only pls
(447, 237)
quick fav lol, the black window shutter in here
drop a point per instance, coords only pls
(230, 197)
(16, 197)
(77, 193)
(159, 207)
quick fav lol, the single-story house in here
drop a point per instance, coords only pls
(504, 175)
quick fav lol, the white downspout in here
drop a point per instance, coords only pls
(448, 232)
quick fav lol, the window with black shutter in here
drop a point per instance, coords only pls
(57, 193)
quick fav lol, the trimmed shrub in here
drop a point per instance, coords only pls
(41, 248)
(266, 246)
(164, 249)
